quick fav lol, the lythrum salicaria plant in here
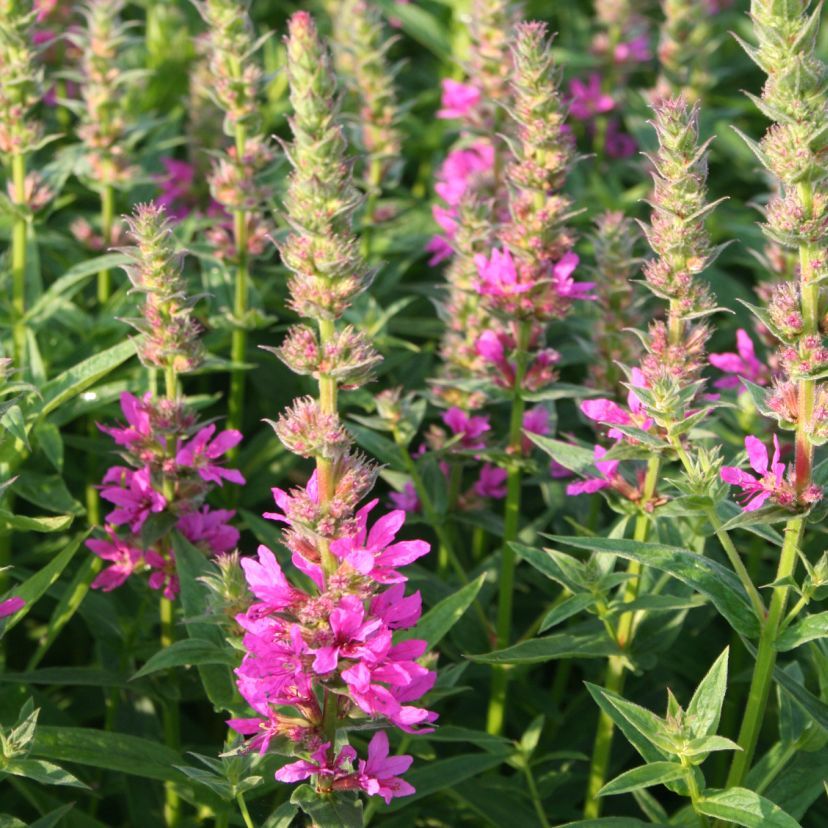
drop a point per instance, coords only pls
(320, 661)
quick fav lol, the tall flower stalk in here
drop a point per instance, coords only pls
(792, 151)
(328, 653)
(526, 282)
(104, 123)
(20, 135)
(236, 179)
(663, 388)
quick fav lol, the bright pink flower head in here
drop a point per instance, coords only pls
(375, 553)
(458, 99)
(565, 285)
(588, 99)
(460, 169)
(743, 364)
(137, 414)
(269, 584)
(380, 774)
(492, 482)
(349, 629)
(469, 429)
(617, 143)
(408, 500)
(610, 413)
(10, 606)
(635, 50)
(608, 470)
(210, 528)
(535, 421)
(756, 490)
(164, 576)
(125, 558)
(176, 188)
(498, 274)
(133, 495)
(200, 453)
(319, 765)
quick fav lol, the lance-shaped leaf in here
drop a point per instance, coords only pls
(705, 708)
(745, 808)
(656, 773)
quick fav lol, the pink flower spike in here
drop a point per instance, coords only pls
(498, 275)
(458, 99)
(10, 606)
(469, 429)
(380, 774)
(200, 453)
(757, 490)
(741, 364)
(125, 559)
(492, 482)
(133, 495)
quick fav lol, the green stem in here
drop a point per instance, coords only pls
(238, 345)
(511, 523)
(171, 720)
(616, 665)
(534, 794)
(244, 812)
(107, 219)
(762, 678)
(695, 793)
(18, 256)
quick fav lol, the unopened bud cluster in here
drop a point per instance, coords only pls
(21, 88)
(170, 331)
(102, 82)
(685, 44)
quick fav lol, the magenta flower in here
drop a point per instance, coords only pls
(408, 500)
(557, 471)
(396, 610)
(10, 606)
(211, 528)
(608, 470)
(565, 285)
(636, 50)
(125, 559)
(133, 495)
(458, 99)
(318, 765)
(176, 186)
(498, 274)
(348, 631)
(610, 413)
(492, 482)
(163, 575)
(459, 170)
(469, 429)
(139, 426)
(743, 364)
(200, 453)
(379, 774)
(269, 584)
(588, 99)
(617, 143)
(756, 490)
(373, 553)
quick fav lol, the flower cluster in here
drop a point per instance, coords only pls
(328, 652)
(101, 80)
(171, 462)
(792, 150)
(360, 51)
(22, 87)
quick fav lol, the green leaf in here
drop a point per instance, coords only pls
(444, 615)
(385, 450)
(706, 576)
(445, 773)
(187, 652)
(24, 523)
(745, 808)
(81, 376)
(566, 609)
(337, 810)
(33, 588)
(652, 727)
(119, 752)
(282, 817)
(575, 458)
(419, 24)
(47, 773)
(705, 708)
(807, 629)
(559, 645)
(14, 422)
(656, 773)
(51, 443)
(559, 567)
(611, 822)
(53, 817)
(192, 565)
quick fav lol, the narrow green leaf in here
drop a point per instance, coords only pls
(710, 578)
(187, 652)
(559, 645)
(47, 773)
(807, 629)
(646, 776)
(444, 615)
(745, 808)
(652, 727)
(705, 708)
(419, 24)
(577, 459)
(43, 524)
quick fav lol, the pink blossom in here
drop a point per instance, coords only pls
(756, 490)
(617, 143)
(200, 452)
(11, 605)
(610, 413)
(535, 421)
(348, 631)
(459, 170)
(743, 364)
(458, 99)
(125, 558)
(557, 471)
(210, 527)
(396, 610)
(608, 470)
(319, 765)
(408, 500)
(635, 50)
(588, 99)
(176, 188)
(498, 274)
(269, 584)
(133, 495)
(139, 427)
(163, 576)
(492, 482)
(373, 553)
(379, 775)
(469, 429)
